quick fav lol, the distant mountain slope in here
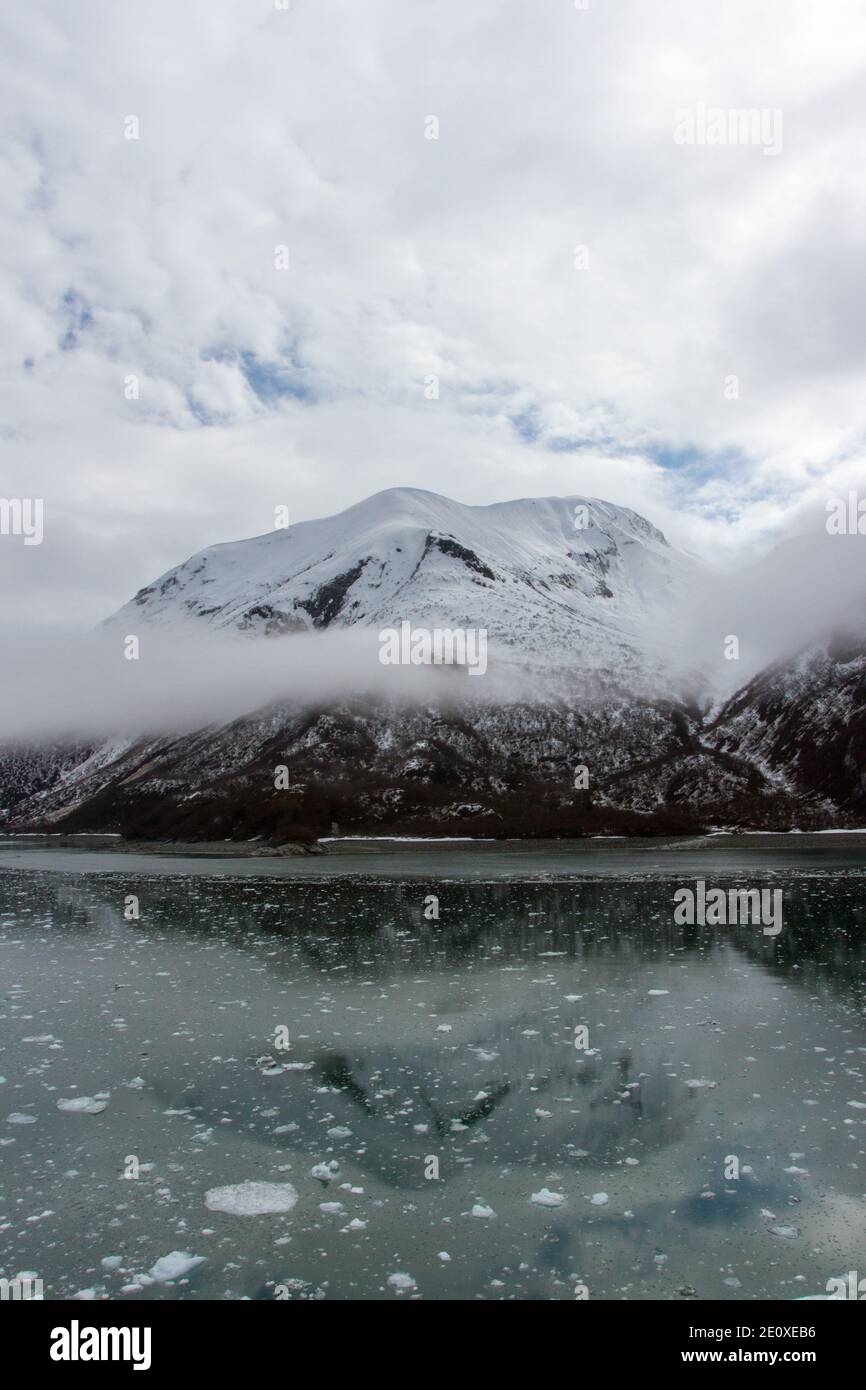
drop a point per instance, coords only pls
(599, 604)
(374, 767)
(803, 723)
(601, 597)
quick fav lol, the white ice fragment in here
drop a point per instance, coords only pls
(251, 1198)
(83, 1105)
(546, 1198)
(174, 1266)
(326, 1172)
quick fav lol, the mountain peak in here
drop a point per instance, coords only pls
(577, 579)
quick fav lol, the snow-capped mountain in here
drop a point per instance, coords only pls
(600, 596)
(577, 580)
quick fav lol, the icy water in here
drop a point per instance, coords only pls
(432, 1069)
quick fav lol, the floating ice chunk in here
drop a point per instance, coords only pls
(857, 1104)
(326, 1172)
(787, 1232)
(339, 1132)
(174, 1266)
(444, 1257)
(699, 1083)
(332, 1208)
(403, 1283)
(599, 1199)
(16, 1118)
(546, 1198)
(83, 1105)
(252, 1198)
(480, 1210)
(658, 991)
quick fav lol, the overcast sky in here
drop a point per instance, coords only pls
(410, 257)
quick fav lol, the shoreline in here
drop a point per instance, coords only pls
(677, 857)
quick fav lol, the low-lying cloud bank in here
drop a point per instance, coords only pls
(188, 677)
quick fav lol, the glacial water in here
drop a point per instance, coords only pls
(409, 1089)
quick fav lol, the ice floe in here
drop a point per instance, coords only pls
(252, 1198)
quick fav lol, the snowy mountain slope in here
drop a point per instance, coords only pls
(601, 597)
(788, 749)
(803, 723)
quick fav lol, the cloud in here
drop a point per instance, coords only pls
(411, 258)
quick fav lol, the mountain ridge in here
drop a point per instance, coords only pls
(785, 750)
(522, 570)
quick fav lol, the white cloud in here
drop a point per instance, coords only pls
(410, 257)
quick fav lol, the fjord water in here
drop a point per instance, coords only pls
(711, 1051)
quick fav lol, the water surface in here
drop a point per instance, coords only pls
(419, 1045)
